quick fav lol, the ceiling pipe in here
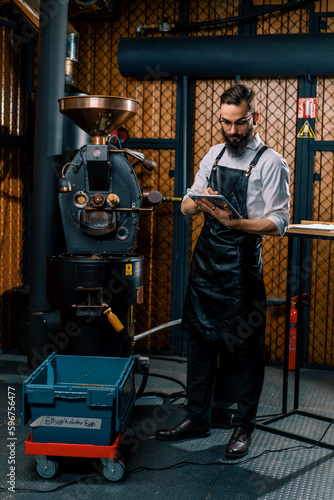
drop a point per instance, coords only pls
(227, 56)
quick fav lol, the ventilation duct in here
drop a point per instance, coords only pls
(227, 56)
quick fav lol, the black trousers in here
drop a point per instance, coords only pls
(202, 359)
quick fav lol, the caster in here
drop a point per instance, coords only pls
(46, 468)
(113, 470)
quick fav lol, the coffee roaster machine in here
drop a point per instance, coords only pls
(95, 283)
(98, 280)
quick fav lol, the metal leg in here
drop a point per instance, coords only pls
(287, 326)
(299, 280)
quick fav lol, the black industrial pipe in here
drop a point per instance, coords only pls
(227, 56)
(48, 150)
(185, 138)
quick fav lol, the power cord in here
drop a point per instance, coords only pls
(58, 488)
(169, 378)
(175, 396)
(162, 395)
(235, 461)
(143, 382)
(183, 464)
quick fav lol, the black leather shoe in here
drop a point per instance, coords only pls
(239, 443)
(184, 430)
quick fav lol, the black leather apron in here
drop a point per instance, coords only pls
(225, 298)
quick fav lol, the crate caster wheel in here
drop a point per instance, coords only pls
(46, 468)
(113, 470)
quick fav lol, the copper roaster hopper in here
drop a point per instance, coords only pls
(98, 115)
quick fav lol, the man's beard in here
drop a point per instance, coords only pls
(236, 148)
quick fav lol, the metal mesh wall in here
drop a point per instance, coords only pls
(155, 242)
(277, 101)
(12, 176)
(321, 299)
(321, 294)
(277, 104)
(97, 72)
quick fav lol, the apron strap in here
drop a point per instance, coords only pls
(254, 161)
(252, 164)
(214, 166)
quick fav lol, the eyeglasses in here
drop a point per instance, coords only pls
(242, 123)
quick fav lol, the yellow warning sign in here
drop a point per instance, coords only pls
(128, 269)
(306, 132)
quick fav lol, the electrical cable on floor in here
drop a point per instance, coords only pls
(166, 398)
(175, 396)
(264, 417)
(16, 445)
(58, 488)
(181, 394)
(168, 358)
(141, 394)
(169, 378)
(235, 461)
(143, 382)
(162, 395)
(183, 464)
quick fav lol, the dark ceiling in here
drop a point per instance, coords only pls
(13, 11)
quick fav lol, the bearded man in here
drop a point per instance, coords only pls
(225, 298)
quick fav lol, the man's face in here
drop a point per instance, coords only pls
(237, 127)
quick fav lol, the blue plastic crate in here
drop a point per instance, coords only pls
(79, 399)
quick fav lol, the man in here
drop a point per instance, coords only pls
(225, 299)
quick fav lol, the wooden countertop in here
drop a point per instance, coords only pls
(312, 231)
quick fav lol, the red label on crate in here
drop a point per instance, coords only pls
(307, 107)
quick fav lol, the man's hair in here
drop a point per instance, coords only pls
(237, 94)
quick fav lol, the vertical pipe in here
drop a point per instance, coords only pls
(180, 263)
(29, 58)
(181, 224)
(303, 201)
(48, 149)
(185, 137)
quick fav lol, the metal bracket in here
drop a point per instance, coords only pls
(308, 77)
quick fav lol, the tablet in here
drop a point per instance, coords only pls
(219, 200)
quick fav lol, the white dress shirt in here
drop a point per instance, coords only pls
(268, 195)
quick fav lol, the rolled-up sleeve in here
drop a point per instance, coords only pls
(276, 194)
(201, 179)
